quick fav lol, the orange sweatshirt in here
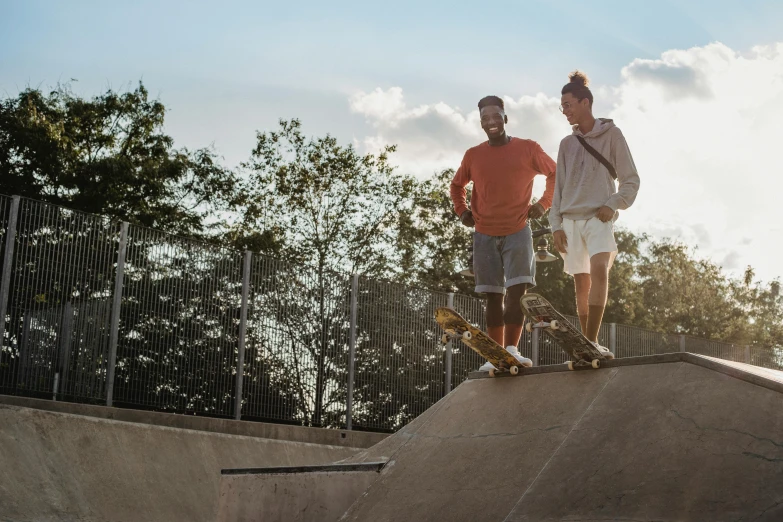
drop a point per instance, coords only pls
(502, 184)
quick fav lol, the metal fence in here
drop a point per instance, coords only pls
(93, 310)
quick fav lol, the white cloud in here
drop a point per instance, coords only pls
(702, 124)
(435, 136)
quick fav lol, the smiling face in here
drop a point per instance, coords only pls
(493, 121)
(573, 108)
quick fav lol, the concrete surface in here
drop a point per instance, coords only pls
(664, 438)
(291, 433)
(303, 494)
(64, 467)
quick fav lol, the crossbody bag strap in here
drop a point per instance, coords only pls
(597, 155)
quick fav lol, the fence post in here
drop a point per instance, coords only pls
(747, 354)
(8, 261)
(682, 342)
(66, 334)
(115, 313)
(242, 334)
(449, 353)
(352, 350)
(613, 339)
(534, 347)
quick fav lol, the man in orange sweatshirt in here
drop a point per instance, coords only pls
(502, 171)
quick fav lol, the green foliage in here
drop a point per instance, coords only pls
(321, 203)
(433, 245)
(108, 155)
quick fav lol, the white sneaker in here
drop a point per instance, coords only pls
(519, 357)
(604, 350)
(487, 366)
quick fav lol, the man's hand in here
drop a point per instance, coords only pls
(535, 211)
(605, 214)
(561, 242)
(467, 219)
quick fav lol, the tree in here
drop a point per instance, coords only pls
(432, 243)
(108, 155)
(328, 211)
(329, 207)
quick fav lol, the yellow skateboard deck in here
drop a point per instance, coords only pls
(456, 327)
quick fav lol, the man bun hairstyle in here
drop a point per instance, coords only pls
(578, 86)
(490, 101)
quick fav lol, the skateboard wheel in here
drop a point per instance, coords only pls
(467, 335)
(554, 325)
(491, 372)
(529, 327)
(596, 363)
(445, 339)
(571, 365)
(514, 370)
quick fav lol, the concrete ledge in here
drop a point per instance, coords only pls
(330, 437)
(366, 466)
(301, 493)
(770, 379)
(614, 363)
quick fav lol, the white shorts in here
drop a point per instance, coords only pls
(586, 238)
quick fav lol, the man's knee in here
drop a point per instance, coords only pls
(599, 264)
(513, 310)
(494, 309)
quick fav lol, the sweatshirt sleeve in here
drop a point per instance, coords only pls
(627, 176)
(555, 218)
(543, 163)
(458, 184)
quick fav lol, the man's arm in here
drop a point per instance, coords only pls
(627, 176)
(457, 189)
(543, 163)
(555, 219)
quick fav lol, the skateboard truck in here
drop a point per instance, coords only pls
(454, 336)
(554, 325)
(582, 363)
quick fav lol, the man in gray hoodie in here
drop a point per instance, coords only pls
(586, 201)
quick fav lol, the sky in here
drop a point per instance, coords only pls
(695, 86)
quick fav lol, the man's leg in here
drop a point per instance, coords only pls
(513, 318)
(495, 327)
(520, 271)
(577, 263)
(599, 290)
(582, 286)
(488, 270)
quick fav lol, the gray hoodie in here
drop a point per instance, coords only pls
(583, 184)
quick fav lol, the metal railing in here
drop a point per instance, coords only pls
(94, 310)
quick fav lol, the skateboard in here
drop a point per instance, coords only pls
(543, 316)
(456, 327)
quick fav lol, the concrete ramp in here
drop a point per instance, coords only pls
(673, 437)
(64, 467)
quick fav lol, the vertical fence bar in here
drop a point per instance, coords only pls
(682, 343)
(613, 339)
(242, 333)
(352, 350)
(534, 347)
(449, 352)
(8, 260)
(747, 354)
(115, 313)
(66, 335)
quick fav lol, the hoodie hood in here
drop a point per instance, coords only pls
(601, 125)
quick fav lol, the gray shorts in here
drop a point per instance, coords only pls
(503, 261)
